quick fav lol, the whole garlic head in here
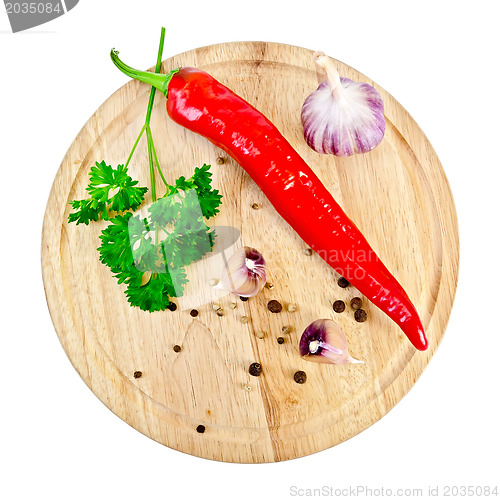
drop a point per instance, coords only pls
(342, 117)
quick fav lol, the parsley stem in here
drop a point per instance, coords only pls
(156, 160)
(152, 79)
(148, 119)
(151, 166)
(135, 145)
(157, 69)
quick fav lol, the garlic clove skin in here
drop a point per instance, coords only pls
(244, 273)
(323, 341)
(342, 117)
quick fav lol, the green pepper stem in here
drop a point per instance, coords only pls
(157, 80)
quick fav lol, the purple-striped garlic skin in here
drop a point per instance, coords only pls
(324, 342)
(342, 117)
(245, 272)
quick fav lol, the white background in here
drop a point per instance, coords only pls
(439, 59)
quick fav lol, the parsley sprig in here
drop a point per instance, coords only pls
(149, 253)
(111, 190)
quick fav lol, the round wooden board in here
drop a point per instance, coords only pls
(398, 196)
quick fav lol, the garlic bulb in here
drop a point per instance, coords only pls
(244, 273)
(342, 117)
(324, 342)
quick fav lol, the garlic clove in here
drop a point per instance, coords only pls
(323, 341)
(244, 273)
(342, 117)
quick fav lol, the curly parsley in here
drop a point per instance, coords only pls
(111, 190)
(149, 253)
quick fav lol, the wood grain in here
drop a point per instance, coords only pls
(399, 197)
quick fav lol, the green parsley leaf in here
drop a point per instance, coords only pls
(182, 249)
(209, 199)
(149, 254)
(165, 210)
(110, 190)
(87, 210)
(155, 294)
(116, 250)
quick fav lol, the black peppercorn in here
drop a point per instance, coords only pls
(243, 299)
(194, 313)
(339, 306)
(200, 429)
(342, 282)
(356, 303)
(137, 374)
(172, 306)
(360, 315)
(255, 369)
(280, 340)
(177, 348)
(274, 306)
(300, 377)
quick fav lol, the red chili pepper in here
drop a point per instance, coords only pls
(203, 105)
